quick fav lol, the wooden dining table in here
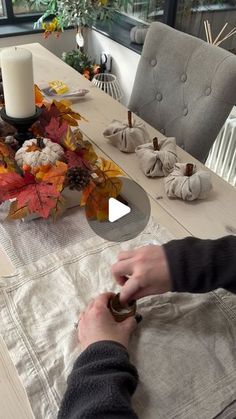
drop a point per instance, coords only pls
(210, 218)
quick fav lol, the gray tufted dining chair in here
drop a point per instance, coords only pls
(184, 87)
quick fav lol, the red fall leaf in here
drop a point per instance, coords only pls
(75, 159)
(38, 197)
(56, 130)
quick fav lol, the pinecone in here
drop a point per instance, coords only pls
(77, 178)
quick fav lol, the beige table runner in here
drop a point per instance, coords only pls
(184, 348)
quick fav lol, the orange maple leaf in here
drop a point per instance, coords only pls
(55, 175)
(86, 192)
(39, 98)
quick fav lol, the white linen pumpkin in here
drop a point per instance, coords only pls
(38, 152)
(126, 138)
(159, 160)
(187, 186)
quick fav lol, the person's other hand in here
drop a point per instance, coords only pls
(96, 323)
(142, 272)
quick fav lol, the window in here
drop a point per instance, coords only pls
(189, 15)
(1, 8)
(16, 11)
(22, 7)
(146, 10)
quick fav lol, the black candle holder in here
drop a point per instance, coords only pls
(22, 125)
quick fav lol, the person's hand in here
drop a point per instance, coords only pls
(142, 272)
(96, 323)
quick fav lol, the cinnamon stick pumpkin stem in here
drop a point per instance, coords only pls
(40, 143)
(130, 119)
(189, 169)
(155, 144)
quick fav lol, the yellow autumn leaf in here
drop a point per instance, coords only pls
(17, 213)
(69, 141)
(109, 168)
(67, 113)
(59, 208)
(8, 164)
(89, 153)
(3, 169)
(110, 187)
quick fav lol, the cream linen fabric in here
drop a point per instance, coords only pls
(188, 188)
(125, 138)
(184, 349)
(157, 162)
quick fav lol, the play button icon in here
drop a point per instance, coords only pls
(126, 214)
(116, 210)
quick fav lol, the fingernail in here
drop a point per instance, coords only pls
(138, 318)
(132, 302)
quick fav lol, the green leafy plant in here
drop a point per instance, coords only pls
(81, 62)
(78, 13)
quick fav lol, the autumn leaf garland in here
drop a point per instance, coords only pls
(39, 190)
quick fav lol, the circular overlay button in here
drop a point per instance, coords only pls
(122, 217)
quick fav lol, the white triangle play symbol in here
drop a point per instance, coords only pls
(116, 210)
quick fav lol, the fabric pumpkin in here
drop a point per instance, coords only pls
(158, 162)
(126, 138)
(188, 188)
(38, 152)
(138, 34)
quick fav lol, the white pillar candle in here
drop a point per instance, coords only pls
(18, 82)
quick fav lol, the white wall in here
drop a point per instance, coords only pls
(124, 61)
(65, 42)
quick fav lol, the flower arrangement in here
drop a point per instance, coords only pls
(33, 176)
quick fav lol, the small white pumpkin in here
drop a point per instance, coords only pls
(188, 183)
(125, 136)
(138, 34)
(157, 158)
(38, 152)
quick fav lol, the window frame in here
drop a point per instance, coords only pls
(11, 19)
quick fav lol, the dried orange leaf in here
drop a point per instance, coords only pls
(86, 192)
(97, 206)
(33, 147)
(56, 175)
(17, 213)
(38, 96)
(6, 150)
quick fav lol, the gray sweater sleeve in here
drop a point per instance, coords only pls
(101, 384)
(202, 265)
